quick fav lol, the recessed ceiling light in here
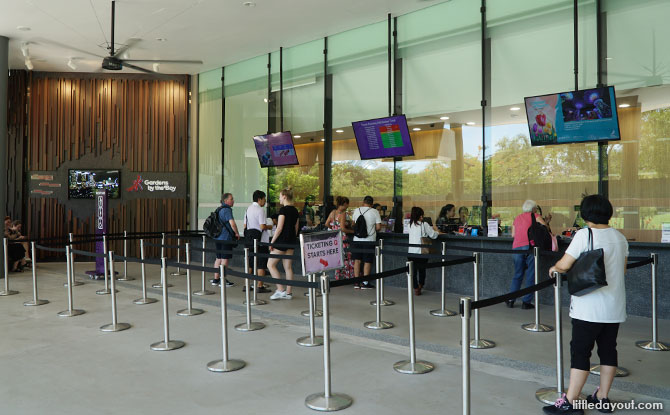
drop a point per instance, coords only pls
(514, 109)
(161, 39)
(297, 136)
(23, 28)
(444, 118)
(624, 105)
(470, 123)
(323, 139)
(71, 64)
(265, 100)
(608, 58)
(339, 131)
(249, 4)
(416, 129)
(29, 64)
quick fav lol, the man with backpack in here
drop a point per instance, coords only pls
(229, 233)
(366, 224)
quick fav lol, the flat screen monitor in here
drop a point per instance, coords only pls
(383, 137)
(82, 184)
(276, 149)
(573, 117)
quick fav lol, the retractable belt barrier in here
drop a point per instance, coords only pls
(360, 250)
(214, 251)
(458, 261)
(642, 262)
(279, 256)
(161, 245)
(89, 254)
(489, 250)
(276, 245)
(50, 249)
(390, 243)
(372, 277)
(510, 296)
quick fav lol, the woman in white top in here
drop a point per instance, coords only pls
(596, 315)
(418, 229)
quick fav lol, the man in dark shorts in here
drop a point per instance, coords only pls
(228, 235)
(365, 260)
(257, 228)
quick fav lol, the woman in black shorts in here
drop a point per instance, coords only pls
(286, 234)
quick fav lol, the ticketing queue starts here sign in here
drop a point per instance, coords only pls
(321, 251)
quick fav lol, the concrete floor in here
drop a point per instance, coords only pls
(68, 366)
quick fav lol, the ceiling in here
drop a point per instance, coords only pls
(218, 32)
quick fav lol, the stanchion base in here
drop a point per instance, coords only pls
(443, 313)
(378, 325)
(654, 346)
(159, 286)
(105, 292)
(115, 327)
(335, 402)
(170, 345)
(419, 367)
(317, 313)
(230, 366)
(548, 395)
(621, 372)
(307, 341)
(306, 293)
(257, 302)
(175, 274)
(541, 328)
(126, 279)
(141, 301)
(68, 313)
(192, 312)
(253, 326)
(384, 302)
(9, 292)
(482, 344)
(203, 292)
(36, 303)
(75, 283)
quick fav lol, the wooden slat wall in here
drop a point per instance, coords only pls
(17, 98)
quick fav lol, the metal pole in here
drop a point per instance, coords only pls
(144, 299)
(125, 262)
(537, 326)
(443, 312)
(178, 272)
(225, 364)
(465, 352)
(255, 300)
(311, 340)
(71, 311)
(654, 344)
(412, 366)
(166, 344)
(106, 290)
(203, 291)
(189, 311)
(7, 291)
(163, 281)
(35, 301)
(248, 325)
(378, 324)
(115, 326)
(478, 343)
(327, 401)
(550, 395)
(381, 280)
(74, 281)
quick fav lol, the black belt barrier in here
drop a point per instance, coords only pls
(644, 261)
(459, 261)
(391, 243)
(46, 248)
(86, 253)
(511, 296)
(372, 277)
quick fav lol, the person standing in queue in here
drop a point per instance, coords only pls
(286, 234)
(366, 224)
(229, 233)
(418, 229)
(256, 228)
(337, 221)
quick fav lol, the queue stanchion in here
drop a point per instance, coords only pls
(71, 311)
(74, 280)
(255, 300)
(115, 326)
(125, 262)
(6, 291)
(443, 312)
(105, 290)
(412, 366)
(654, 344)
(312, 340)
(378, 324)
(225, 364)
(380, 283)
(327, 401)
(248, 325)
(465, 352)
(35, 301)
(203, 290)
(166, 344)
(550, 395)
(144, 299)
(478, 343)
(189, 310)
(179, 271)
(537, 326)
(159, 285)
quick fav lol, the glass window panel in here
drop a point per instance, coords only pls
(209, 145)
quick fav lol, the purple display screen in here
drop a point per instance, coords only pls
(276, 149)
(383, 137)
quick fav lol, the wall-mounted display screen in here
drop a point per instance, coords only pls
(276, 149)
(383, 137)
(82, 184)
(572, 117)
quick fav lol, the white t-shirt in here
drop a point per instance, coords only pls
(416, 232)
(606, 304)
(254, 218)
(372, 218)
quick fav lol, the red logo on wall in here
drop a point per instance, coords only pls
(137, 185)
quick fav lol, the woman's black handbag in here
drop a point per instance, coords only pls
(588, 272)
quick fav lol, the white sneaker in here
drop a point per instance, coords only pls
(287, 296)
(278, 295)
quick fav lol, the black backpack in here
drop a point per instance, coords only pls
(538, 235)
(213, 226)
(361, 226)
